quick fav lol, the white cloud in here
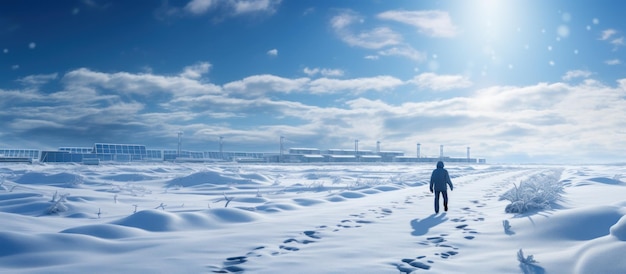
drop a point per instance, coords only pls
(323, 71)
(15, 67)
(35, 80)
(356, 85)
(235, 7)
(606, 34)
(344, 19)
(272, 52)
(572, 74)
(618, 42)
(199, 6)
(258, 85)
(32, 45)
(125, 83)
(372, 57)
(432, 22)
(405, 51)
(613, 62)
(5, 50)
(196, 71)
(546, 118)
(437, 82)
(372, 39)
(249, 6)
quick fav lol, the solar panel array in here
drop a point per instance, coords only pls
(101, 148)
(20, 153)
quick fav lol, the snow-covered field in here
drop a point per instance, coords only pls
(231, 218)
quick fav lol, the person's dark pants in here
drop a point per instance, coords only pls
(445, 200)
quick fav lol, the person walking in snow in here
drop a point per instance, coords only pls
(439, 181)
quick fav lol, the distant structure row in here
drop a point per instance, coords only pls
(105, 152)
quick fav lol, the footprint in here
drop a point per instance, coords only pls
(289, 248)
(436, 240)
(236, 260)
(312, 234)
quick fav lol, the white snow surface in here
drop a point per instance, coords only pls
(257, 218)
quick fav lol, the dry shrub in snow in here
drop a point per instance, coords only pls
(58, 203)
(535, 193)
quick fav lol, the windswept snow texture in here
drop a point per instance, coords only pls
(232, 218)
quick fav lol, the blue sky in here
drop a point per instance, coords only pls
(517, 81)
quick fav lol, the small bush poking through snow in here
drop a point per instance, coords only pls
(525, 260)
(535, 193)
(528, 264)
(58, 203)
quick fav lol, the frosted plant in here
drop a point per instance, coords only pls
(525, 260)
(528, 263)
(506, 225)
(162, 206)
(58, 203)
(535, 193)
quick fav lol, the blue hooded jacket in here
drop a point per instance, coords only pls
(440, 179)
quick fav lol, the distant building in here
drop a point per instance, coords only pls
(108, 152)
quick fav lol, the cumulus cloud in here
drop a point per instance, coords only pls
(608, 33)
(89, 106)
(272, 52)
(613, 62)
(404, 51)
(235, 7)
(323, 71)
(371, 39)
(258, 85)
(199, 6)
(196, 71)
(573, 74)
(36, 80)
(357, 85)
(431, 22)
(248, 6)
(437, 82)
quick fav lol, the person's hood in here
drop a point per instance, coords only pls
(440, 164)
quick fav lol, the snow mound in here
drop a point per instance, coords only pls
(163, 221)
(232, 215)
(335, 198)
(351, 194)
(211, 178)
(62, 179)
(128, 177)
(106, 231)
(618, 230)
(151, 220)
(252, 200)
(275, 207)
(307, 201)
(387, 188)
(597, 222)
(605, 180)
